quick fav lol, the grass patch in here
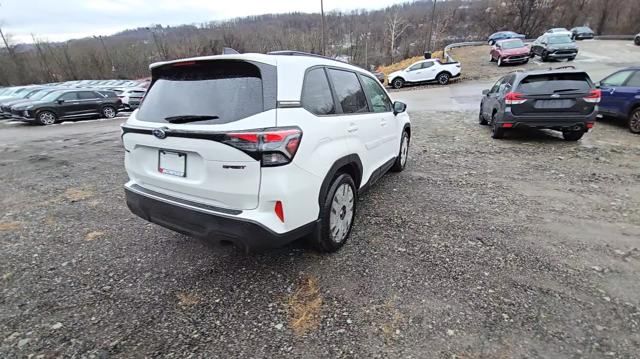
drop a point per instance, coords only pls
(187, 300)
(93, 235)
(304, 306)
(78, 194)
(9, 226)
(401, 65)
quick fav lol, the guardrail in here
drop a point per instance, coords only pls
(484, 42)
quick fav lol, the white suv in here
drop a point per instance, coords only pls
(259, 150)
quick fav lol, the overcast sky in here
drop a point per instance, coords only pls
(58, 20)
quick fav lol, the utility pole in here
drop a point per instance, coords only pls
(433, 20)
(106, 51)
(324, 40)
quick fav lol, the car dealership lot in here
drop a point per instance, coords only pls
(481, 248)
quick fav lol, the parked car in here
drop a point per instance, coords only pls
(67, 105)
(512, 51)
(426, 71)
(131, 97)
(554, 47)
(30, 96)
(636, 39)
(559, 31)
(621, 97)
(582, 33)
(278, 150)
(562, 100)
(503, 35)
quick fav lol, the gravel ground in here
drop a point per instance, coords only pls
(524, 247)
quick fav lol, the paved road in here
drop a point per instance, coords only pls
(598, 58)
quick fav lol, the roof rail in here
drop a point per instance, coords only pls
(302, 53)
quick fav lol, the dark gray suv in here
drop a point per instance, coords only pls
(562, 100)
(554, 47)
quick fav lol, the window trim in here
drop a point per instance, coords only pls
(633, 74)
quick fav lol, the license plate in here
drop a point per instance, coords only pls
(172, 163)
(554, 104)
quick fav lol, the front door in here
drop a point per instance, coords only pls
(614, 93)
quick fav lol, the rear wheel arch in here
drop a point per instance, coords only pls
(407, 129)
(351, 165)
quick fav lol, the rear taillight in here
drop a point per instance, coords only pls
(594, 96)
(514, 98)
(273, 147)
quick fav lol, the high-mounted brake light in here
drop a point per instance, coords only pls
(594, 96)
(273, 147)
(514, 98)
(185, 63)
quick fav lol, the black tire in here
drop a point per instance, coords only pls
(532, 54)
(500, 61)
(46, 118)
(544, 56)
(403, 153)
(634, 121)
(637, 40)
(109, 112)
(572, 135)
(323, 239)
(481, 119)
(571, 59)
(397, 83)
(490, 58)
(492, 42)
(443, 78)
(497, 132)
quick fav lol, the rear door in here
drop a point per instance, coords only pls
(189, 138)
(414, 74)
(89, 102)
(617, 90)
(558, 93)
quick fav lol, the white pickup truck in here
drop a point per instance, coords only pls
(426, 71)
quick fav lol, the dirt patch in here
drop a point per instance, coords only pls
(91, 236)
(304, 306)
(78, 194)
(187, 299)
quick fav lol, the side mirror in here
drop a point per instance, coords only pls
(399, 107)
(485, 92)
(60, 102)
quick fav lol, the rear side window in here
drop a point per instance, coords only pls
(379, 99)
(546, 84)
(316, 93)
(228, 90)
(348, 91)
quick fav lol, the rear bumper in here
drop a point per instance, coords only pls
(205, 223)
(555, 121)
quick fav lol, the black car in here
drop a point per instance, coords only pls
(562, 100)
(554, 47)
(582, 33)
(33, 95)
(68, 105)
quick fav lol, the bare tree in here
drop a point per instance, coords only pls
(395, 27)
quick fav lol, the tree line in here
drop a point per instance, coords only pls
(364, 37)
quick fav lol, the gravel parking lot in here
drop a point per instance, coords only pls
(525, 247)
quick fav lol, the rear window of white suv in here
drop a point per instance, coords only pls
(224, 90)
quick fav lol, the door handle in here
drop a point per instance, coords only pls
(352, 128)
(612, 90)
(383, 122)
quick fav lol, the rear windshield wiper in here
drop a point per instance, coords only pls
(190, 118)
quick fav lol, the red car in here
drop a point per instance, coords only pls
(512, 51)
